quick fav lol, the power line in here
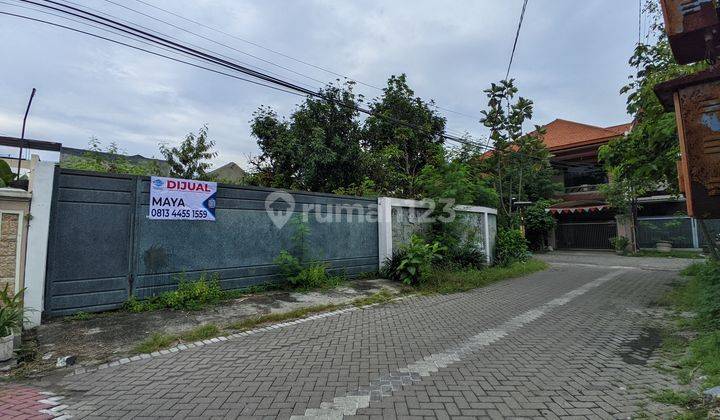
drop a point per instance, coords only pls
(174, 45)
(146, 50)
(193, 45)
(216, 61)
(213, 60)
(104, 29)
(517, 35)
(458, 133)
(189, 51)
(255, 44)
(83, 14)
(211, 40)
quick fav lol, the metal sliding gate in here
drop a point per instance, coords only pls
(587, 235)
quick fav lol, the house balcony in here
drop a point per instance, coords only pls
(581, 192)
(582, 188)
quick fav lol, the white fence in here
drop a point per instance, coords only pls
(398, 219)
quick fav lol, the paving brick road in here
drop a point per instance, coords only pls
(567, 342)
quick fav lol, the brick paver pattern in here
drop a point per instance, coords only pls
(586, 357)
(20, 402)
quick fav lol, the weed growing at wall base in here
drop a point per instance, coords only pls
(412, 263)
(298, 267)
(189, 295)
(441, 280)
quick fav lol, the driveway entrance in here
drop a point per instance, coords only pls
(585, 235)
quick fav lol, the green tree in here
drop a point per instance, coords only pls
(6, 174)
(454, 178)
(108, 160)
(318, 149)
(538, 222)
(645, 160)
(190, 159)
(520, 162)
(403, 136)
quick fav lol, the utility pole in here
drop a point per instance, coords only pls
(22, 134)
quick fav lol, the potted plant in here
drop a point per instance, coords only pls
(11, 320)
(663, 246)
(665, 233)
(620, 243)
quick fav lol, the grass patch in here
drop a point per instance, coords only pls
(690, 401)
(202, 332)
(694, 269)
(693, 356)
(189, 295)
(440, 281)
(382, 296)
(155, 342)
(319, 281)
(367, 275)
(673, 397)
(79, 316)
(452, 281)
(696, 255)
(160, 341)
(238, 293)
(206, 291)
(704, 355)
(252, 322)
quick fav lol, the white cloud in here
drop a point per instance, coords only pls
(571, 60)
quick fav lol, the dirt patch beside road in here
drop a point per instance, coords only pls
(113, 335)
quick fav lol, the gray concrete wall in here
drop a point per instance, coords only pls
(103, 247)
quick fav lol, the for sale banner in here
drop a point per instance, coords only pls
(182, 199)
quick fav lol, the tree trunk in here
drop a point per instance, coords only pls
(710, 240)
(634, 223)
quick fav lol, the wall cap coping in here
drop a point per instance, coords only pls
(423, 204)
(14, 193)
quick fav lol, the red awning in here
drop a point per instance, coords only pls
(584, 209)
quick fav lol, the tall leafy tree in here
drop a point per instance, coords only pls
(403, 136)
(456, 178)
(520, 162)
(317, 149)
(190, 159)
(645, 160)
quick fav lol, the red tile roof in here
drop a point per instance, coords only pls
(621, 129)
(563, 134)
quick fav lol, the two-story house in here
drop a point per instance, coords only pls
(584, 219)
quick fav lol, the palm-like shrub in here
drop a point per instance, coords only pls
(11, 312)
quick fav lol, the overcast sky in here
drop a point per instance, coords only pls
(571, 61)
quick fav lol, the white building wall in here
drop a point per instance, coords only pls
(41, 187)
